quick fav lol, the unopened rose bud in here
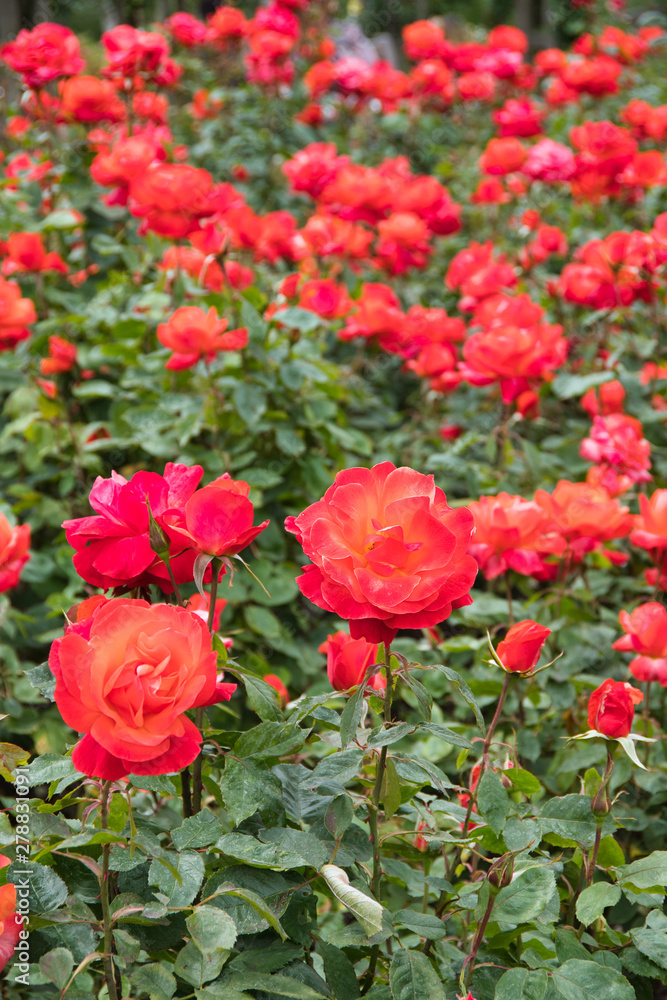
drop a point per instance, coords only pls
(157, 537)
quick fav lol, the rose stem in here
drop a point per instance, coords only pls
(494, 722)
(199, 712)
(596, 806)
(110, 971)
(185, 793)
(373, 810)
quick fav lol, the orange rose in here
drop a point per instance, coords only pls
(125, 676)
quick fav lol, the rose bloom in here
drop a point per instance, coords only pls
(616, 441)
(476, 86)
(646, 634)
(324, 297)
(217, 519)
(423, 40)
(89, 99)
(14, 545)
(549, 161)
(611, 708)
(44, 54)
(186, 29)
(125, 676)
(118, 165)
(387, 551)
(585, 516)
(519, 118)
(26, 253)
(502, 156)
(278, 686)
(376, 313)
(10, 925)
(513, 533)
(227, 22)
(200, 604)
(62, 356)
(113, 547)
(171, 198)
(348, 660)
(15, 315)
(520, 650)
(192, 334)
(607, 398)
(130, 51)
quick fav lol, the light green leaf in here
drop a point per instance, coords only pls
(521, 984)
(427, 925)
(47, 889)
(367, 911)
(526, 896)
(645, 875)
(182, 885)
(197, 831)
(155, 980)
(412, 977)
(580, 980)
(196, 968)
(492, 800)
(57, 966)
(593, 901)
(212, 929)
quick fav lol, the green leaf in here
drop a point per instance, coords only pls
(212, 929)
(526, 896)
(465, 693)
(50, 767)
(350, 717)
(580, 980)
(261, 909)
(523, 780)
(567, 386)
(197, 831)
(492, 800)
(412, 977)
(181, 881)
(249, 402)
(256, 325)
(244, 848)
(312, 851)
(521, 984)
(262, 698)
(569, 821)
(339, 972)
(593, 901)
(281, 986)
(391, 789)
(427, 925)
(339, 815)
(247, 788)
(651, 940)
(155, 980)
(448, 735)
(196, 968)
(300, 319)
(47, 889)
(270, 740)
(645, 875)
(367, 910)
(57, 966)
(422, 694)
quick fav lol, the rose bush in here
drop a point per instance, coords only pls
(416, 314)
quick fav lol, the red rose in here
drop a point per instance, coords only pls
(348, 660)
(217, 519)
(646, 634)
(15, 315)
(43, 54)
(388, 552)
(14, 545)
(191, 333)
(611, 708)
(113, 548)
(125, 676)
(520, 649)
(279, 687)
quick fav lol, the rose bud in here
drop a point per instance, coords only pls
(611, 708)
(348, 660)
(520, 649)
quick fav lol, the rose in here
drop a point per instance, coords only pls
(646, 634)
(10, 927)
(520, 649)
(278, 686)
(44, 54)
(387, 551)
(113, 548)
(14, 545)
(125, 676)
(348, 660)
(217, 519)
(192, 333)
(611, 708)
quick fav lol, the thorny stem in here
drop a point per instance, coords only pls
(199, 712)
(111, 973)
(185, 793)
(373, 811)
(494, 722)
